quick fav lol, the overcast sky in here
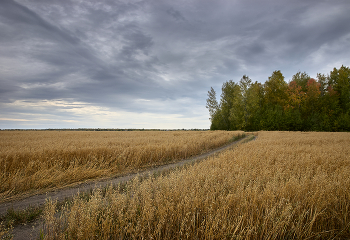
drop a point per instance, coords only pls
(149, 64)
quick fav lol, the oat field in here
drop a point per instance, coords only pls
(284, 185)
(34, 161)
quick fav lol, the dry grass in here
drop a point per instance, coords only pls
(37, 160)
(5, 232)
(281, 186)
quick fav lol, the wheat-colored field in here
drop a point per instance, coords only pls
(38, 160)
(284, 185)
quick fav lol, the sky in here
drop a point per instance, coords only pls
(149, 64)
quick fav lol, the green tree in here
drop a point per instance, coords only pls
(301, 80)
(237, 110)
(217, 122)
(312, 105)
(322, 80)
(330, 110)
(296, 96)
(245, 84)
(275, 99)
(313, 93)
(293, 108)
(212, 103)
(303, 104)
(214, 111)
(254, 103)
(229, 95)
(275, 89)
(339, 79)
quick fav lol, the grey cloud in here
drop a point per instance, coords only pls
(175, 14)
(7, 90)
(30, 22)
(158, 56)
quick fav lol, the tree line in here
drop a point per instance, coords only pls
(303, 104)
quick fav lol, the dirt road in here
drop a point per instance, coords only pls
(30, 231)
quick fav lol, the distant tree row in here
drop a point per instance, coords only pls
(303, 104)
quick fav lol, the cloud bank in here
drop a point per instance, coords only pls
(149, 64)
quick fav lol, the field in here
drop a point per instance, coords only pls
(35, 161)
(284, 185)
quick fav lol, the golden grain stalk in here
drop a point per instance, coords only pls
(37, 160)
(284, 185)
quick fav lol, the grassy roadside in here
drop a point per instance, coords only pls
(16, 217)
(237, 137)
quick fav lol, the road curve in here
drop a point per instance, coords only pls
(61, 194)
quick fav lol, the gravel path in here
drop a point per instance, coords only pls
(30, 231)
